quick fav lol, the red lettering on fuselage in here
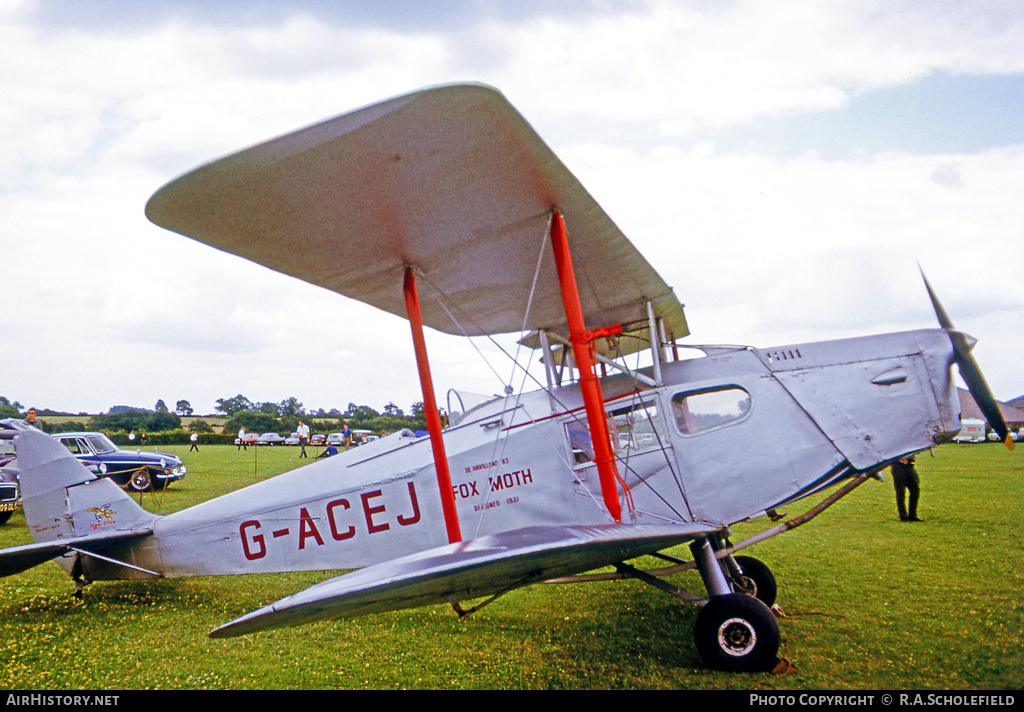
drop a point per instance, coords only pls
(307, 529)
(510, 479)
(339, 535)
(404, 520)
(369, 511)
(519, 478)
(261, 548)
(254, 544)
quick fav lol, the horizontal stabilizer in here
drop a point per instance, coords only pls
(471, 569)
(22, 558)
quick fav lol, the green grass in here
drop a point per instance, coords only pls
(871, 603)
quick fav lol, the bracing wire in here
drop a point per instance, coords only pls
(508, 391)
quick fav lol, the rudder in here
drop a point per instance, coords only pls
(62, 499)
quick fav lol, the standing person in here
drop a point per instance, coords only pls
(303, 433)
(241, 439)
(346, 436)
(905, 479)
(32, 420)
(194, 438)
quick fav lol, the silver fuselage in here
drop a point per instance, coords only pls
(730, 435)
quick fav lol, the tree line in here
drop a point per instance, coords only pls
(241, 413)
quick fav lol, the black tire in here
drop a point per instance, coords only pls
(757, 580)
(141, 480)
(5, 517)
(737, 633)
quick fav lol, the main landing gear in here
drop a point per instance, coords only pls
(736, 629)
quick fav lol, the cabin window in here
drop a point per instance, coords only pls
(635, 427)
(632, 428)
(579, 441)
(699, 411)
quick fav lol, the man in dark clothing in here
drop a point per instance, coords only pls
(905, 479)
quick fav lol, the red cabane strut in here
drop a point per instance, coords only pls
(590, 386)
(433, 418)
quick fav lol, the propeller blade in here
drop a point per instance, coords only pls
(970, 371)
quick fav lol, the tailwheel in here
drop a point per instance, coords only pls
(738, 633)
(755, 579)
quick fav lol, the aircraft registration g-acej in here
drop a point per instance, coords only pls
(446, 208)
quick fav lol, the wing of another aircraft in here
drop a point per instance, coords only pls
(466, 570)
(450, 180)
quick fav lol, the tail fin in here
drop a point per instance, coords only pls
(62, 499)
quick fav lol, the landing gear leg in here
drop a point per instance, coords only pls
(734, 631)
(76, 574)
(715, 580)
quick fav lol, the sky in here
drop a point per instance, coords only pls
(787, 167)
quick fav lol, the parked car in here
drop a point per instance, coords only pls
(136, 470)
(335, 439)
(292, 439)
(270, 439)
(248, 439)
(362, 437)
(10, 496)
(317, 439)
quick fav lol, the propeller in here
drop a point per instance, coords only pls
(970, 371)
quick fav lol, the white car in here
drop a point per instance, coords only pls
(361, 437)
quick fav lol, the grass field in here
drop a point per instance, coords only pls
(870, 603)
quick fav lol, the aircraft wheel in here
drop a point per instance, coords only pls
(738, 633)
(141, 480)
(756, 580)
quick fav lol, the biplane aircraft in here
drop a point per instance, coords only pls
(446, 208)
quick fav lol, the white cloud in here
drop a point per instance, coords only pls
(762, 248)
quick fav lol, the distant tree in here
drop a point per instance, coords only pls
(69, 426)
(393, 410)
(135, 419)
(253, 422)
(269, 409)
(8, 409)
(200, 426)
(230, 406)
(161, 407)
(183, 408)
(416, 409)
(359, 412)
(291, 406)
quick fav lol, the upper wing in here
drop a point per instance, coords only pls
(466, 570)
(451, 180)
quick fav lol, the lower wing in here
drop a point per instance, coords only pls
(480, 567)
